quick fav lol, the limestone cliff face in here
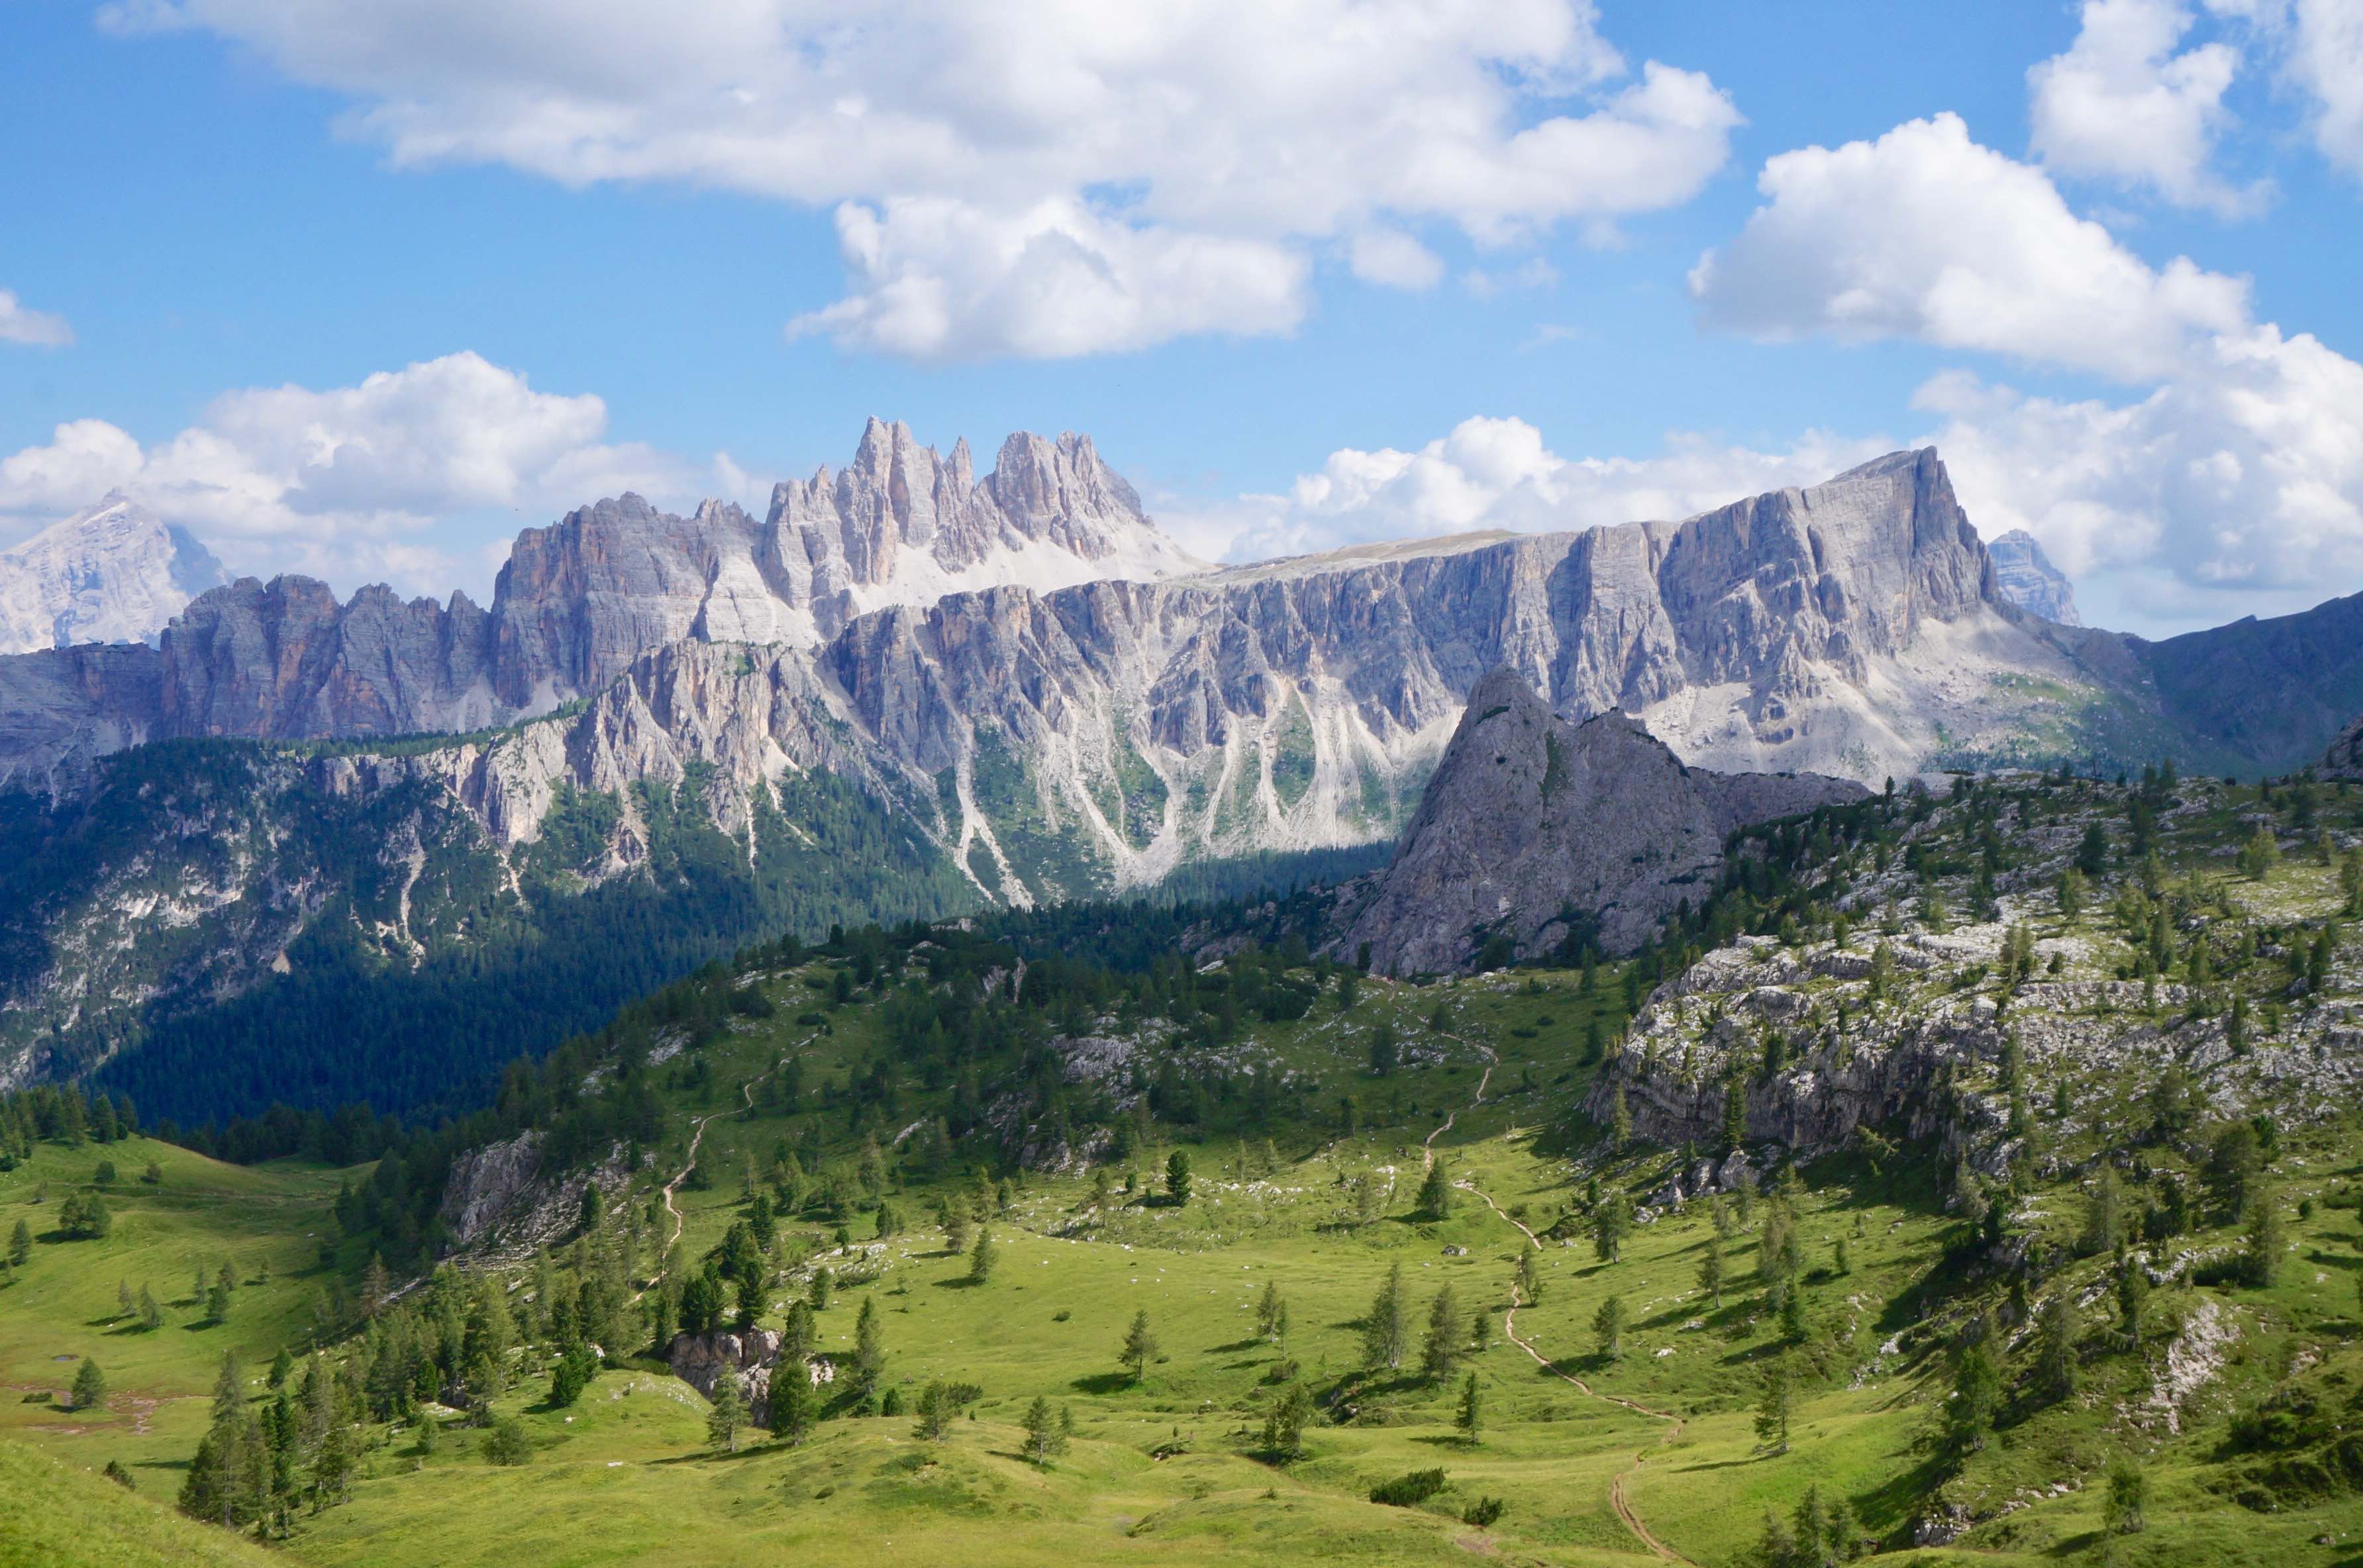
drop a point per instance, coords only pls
(1532, 823)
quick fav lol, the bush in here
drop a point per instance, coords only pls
(507, 1443)
(1409, 1491)
(1483, 1512)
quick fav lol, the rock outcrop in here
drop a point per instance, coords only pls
(114, 572)
(2344, 757)
(1535, 829)
(703, 1359)
(2024, 575)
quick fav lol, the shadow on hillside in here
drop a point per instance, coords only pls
(1102, 1383)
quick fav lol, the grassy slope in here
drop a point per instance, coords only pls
(56, 1515)
(625, 1476)
(63, 1306)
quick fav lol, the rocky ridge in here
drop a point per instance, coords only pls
(1539, 832)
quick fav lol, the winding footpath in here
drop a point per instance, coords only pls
(688, 1163)
(1618, 1497)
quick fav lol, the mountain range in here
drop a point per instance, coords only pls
(908, 691)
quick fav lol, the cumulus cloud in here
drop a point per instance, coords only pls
(345, 483)
(1498, 473)
(2231, 479)
(976, 155)
(1925, 235)
(2325, 62)
(19, 323)
(2122, 104)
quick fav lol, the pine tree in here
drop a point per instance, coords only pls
(1710, 1274)
(1772, 1409)
(1471, 1415)
(939, 1403)
(795, 1410)
(2124, 1510)
(2055, 1348)
(1046, 1440)
(1139, 1347)
(2133, 1296)
(217, 1303)
(1608, 1329)
(982, 1257)
(89, 1387)
(1735, 1115)
(282, 1367)
(729, 1414)
(1435, 1192)
(1177, 1178)
(799, 1339)
(1284, 1424)
(1977, 1396)
(230, 1389)
(1611, 1224)
(1620, 1121)
(1529, 1278)
(1440, 1350)
(1386, 1330)
(20, 1244)
(1271, 1313)
(506, 1443)
(869, 1348)
(151, 1317)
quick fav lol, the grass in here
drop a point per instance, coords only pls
(55, 1515)
(1166, 1469)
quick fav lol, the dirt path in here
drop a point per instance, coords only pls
(1618, 1498)
(697, 1138)
(1492, 1060)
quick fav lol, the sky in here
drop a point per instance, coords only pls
(360, 292)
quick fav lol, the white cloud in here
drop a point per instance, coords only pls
(1395, 260)
(2232, 481)
(1925, 235)
(938, 278)
(21, 323)
(1491, 473)
(2122, 104)
(974, 153)
(345, 483)
(2326, 60)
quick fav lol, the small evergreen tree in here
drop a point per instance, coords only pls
(729, 1413)
(1772, 1409)
(2124, 1512)
(1046, 1440)
(1386, 1329)
(1529, 1277)
(982, 1257)
(795, 1411)
(505, 1444)
(1608, 1329)
(2055, 1348)
(89, 1387)
(1177, 1178)
(1440, 1349)
(20, 1244)
(1435, 1192)
(1471, 1415)
(1710, 1274)
(1139, 1347)
(869, 1348)
(1284, 1424)
(1271, 1312)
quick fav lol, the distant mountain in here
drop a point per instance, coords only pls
(1537, 831)
(2344, 757)
(644, 681)
(114, 572)
(2025, 576)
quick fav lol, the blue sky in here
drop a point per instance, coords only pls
(569, 246)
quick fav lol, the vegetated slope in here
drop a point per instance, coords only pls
(59, 1517)
(1984, 1272)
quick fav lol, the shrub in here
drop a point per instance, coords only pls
(1483, 1512)
(1409, 1491)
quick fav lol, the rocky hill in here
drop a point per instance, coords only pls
(114, 572)
(1537, 833)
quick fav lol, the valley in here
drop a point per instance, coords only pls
(1969, 1107)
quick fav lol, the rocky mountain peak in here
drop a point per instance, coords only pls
(2024, 575)
(1529, 816)
(113, 572)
